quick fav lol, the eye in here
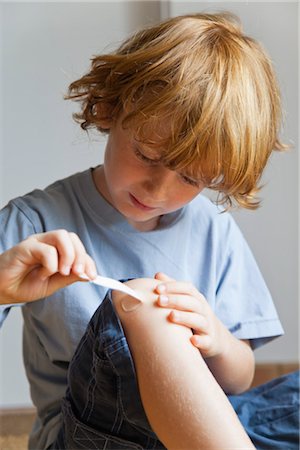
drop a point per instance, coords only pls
(144, 158)
(190, 181)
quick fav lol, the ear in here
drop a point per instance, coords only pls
(104, 123)
(103, 113)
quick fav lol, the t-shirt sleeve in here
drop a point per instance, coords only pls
(243, 301)
(15, 226)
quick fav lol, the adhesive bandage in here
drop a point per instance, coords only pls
(128, 304)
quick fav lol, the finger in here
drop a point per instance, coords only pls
(72, 254)
(58, 281)
(163, 277)
(180, 302)
(90, 267)
(70, 251)
(202, 342)
(81, 259)
(195, 321)
(44, 255)
(61, 240)
(178, 287)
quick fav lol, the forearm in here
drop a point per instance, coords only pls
(182, 400)
(234, 367)
(231, 361)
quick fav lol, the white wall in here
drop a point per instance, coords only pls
(272, 231)
(47, 45)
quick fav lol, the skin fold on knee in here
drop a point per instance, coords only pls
(129, 304)
(126, 303)
(145, 316)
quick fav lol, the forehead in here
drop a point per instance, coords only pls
(161, 154)
(155, 132)
(158, 137)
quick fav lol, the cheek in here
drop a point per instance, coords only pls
(185, 194)
(122, 172)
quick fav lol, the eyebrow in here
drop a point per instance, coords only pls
(157, 160)
(192, 177)
(145, 151)
(195, 180)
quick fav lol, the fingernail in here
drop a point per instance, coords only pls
(65, 270)
(78, 268)
(174, 315)
(163, 300)
(197, 340)
(83, 276)
(90, 274)
(93, 274)
(161, 288)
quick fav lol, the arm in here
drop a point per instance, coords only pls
(42, 264)
(230, 360)
(182, 400)
(234, 367)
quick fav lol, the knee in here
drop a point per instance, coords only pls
(145, 287)
(131, 310)
(146, 320)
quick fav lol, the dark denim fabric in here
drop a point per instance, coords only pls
(270, 413)
(102, 408)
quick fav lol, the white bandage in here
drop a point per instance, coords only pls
(110, 283)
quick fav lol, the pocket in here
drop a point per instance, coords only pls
(78, 435)
(274, 415)
(280, 433)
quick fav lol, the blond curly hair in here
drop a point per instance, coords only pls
(212, 83)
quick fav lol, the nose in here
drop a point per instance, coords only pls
(159, 182)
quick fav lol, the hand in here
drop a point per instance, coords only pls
(42, 264)
(191, 309)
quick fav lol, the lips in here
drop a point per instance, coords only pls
(139, 204)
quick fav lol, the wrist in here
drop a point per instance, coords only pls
(224, 342)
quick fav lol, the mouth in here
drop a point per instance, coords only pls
(139, 204)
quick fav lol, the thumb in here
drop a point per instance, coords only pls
(163, 277)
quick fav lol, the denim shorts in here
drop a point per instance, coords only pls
(102, 408)
(270, 413)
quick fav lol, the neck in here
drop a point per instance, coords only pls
(149, 225)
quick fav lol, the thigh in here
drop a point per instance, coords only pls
(270, 413)
(102, 408)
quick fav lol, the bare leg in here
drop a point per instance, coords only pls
(184, 404)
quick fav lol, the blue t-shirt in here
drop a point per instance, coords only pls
(196, 243)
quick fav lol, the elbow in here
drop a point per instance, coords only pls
(245, 377)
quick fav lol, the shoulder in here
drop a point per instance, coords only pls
(61, 190)
(44, 209)
(204, 212)
(213, 226)
(203, 207)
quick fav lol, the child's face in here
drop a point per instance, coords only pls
(139, 186)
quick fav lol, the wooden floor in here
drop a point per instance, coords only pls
(12, 442)
(266, 372)
(16, 424)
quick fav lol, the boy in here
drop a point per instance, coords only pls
(188, 104)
